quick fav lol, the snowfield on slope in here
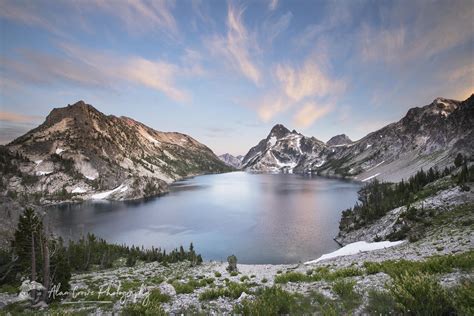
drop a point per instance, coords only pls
(356, 247)
(104, 195)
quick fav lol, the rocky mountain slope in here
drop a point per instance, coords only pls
(80, 153)
(339, 140)
(428, 136)
(284, 150)
(232, 161)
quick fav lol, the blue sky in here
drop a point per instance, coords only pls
(226, 72)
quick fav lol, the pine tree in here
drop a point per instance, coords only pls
(27, 245)
(458, 161)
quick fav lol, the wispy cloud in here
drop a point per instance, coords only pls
(274, 27)
(311, 112)
(270, 105)
(18, 117)
(309, 84)
(307, 81)
(237, 46)
(411, 33)
(28, 13)
(13, 125)
(98, 69)
(272, 5)
(139, 15)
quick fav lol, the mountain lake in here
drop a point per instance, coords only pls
(261, 218)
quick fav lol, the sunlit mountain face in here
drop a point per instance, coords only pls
(226, 72)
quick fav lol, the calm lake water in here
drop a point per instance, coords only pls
(261, 218)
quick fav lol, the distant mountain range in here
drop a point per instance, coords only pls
(232, 161)
(80, 153)
(426, 137)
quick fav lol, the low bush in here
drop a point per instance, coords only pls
(432, 265)
(157, 297)
(232, 290)
(380, 303)
(271, 301)
(183, 288)
(463, 297)
(318, 274)
(420, 294)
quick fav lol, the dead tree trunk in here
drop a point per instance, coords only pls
(46, 269)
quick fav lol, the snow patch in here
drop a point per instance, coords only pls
(356, 247)
(368, 146)
(371, 177)
(43, 173)
(90, 178)
(377, 165)
(37, 162)
(272, 141)
(59, 150)
(320, 163)
(79, 190)
(104, 195)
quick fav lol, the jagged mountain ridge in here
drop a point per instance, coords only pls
(428, 136)
(84, 151)
(282, 150)
(232, 161)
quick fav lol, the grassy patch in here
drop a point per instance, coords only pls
(232, 290)
(271, 301)
(432, 265)
(191, 285)
(318, 274)
(9, 288)
(157, 297)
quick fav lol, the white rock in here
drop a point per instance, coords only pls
(168, 289)
(242, 297)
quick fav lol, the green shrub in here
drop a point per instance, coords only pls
(234, 273)
(138, 309)
(321, 273)
(264, 280)
(9, 288)
(432, 265)
(345, 290)
(232, 290)
(244, 278)
(463, 298)
(292, 277)
(271, 301)
(182, 288)
(217, 274)
(380, 303)
(420, 294)
(157, 297)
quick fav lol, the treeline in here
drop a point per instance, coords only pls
(91, 251)
(38, 256)
(376, 198)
